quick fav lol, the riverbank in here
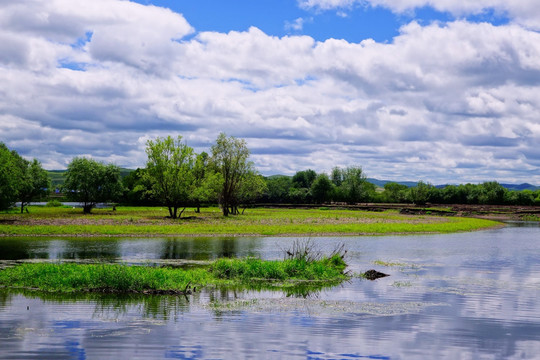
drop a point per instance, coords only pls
(153, 221)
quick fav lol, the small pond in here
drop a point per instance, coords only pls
(457, 296)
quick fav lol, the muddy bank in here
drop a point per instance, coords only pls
(490, 212)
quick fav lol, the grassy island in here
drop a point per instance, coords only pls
(249, 272)
(134, 221)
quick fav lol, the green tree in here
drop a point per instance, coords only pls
(34, 183)
(337, 176)
(299, 195)
(394, 192)
(252, 188)
(230, 158)
(493, 194)
(90, 182)
(304, 179)
(207, 181)
(354, 185)
(278, 189)
(137, 189)
(322, 188)
(420, 193)
(169, 170)
(10, 177)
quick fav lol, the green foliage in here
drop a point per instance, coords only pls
(207, 181)
(35, 182)
(395, 193)
(137, 189)
(54, 203)
(230, 158)
(299, 195)
(420, 193)
(352, 186)
(251, 189)
(20, 179)
(322, 189)
(90, 182)
(297, 269)
(121, 278)
(304, 179)
(75, 277)
(10, 178)
(170, 171)
(278, 189)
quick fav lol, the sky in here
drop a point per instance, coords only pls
(443, 91)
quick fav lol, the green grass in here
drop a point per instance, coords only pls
(261, 222)
(68, 277)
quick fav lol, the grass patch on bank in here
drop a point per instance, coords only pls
(68, 277)
(261, 222)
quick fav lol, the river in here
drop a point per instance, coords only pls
(454, 296)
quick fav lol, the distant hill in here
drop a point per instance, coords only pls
(381, 183)
(516, 187)
(521, 187)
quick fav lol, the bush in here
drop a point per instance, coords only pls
(54, 203)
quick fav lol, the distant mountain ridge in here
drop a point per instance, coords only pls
(517, 187)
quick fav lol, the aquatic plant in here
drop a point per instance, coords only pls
(69, 277)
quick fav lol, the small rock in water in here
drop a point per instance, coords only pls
(374, 274)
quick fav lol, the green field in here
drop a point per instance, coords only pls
(150, 221)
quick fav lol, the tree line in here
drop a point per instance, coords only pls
(174, 176)
(20, 180)
(177, 177)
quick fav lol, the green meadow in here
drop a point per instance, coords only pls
(148, 221)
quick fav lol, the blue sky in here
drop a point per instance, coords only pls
(443, 91)
(277, 17)
(272, 16)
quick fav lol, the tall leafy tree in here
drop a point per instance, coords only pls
(304, 179)
(322, 188)
(90, 182)
(136, 189)
(230, 157)
(252, 188)
(35, 182)
(207, 182)
(419, 194)
(10, 176)
(394, 192)
(170, 169)
(352, 184)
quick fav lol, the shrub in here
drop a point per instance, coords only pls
(54, 203)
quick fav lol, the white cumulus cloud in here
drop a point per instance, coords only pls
(446, 102)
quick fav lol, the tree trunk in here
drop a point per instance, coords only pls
(181, 212)
(175, 212)
(170, 212)
(87, 208)
(22, 207)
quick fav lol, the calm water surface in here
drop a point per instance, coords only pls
(459, 296)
